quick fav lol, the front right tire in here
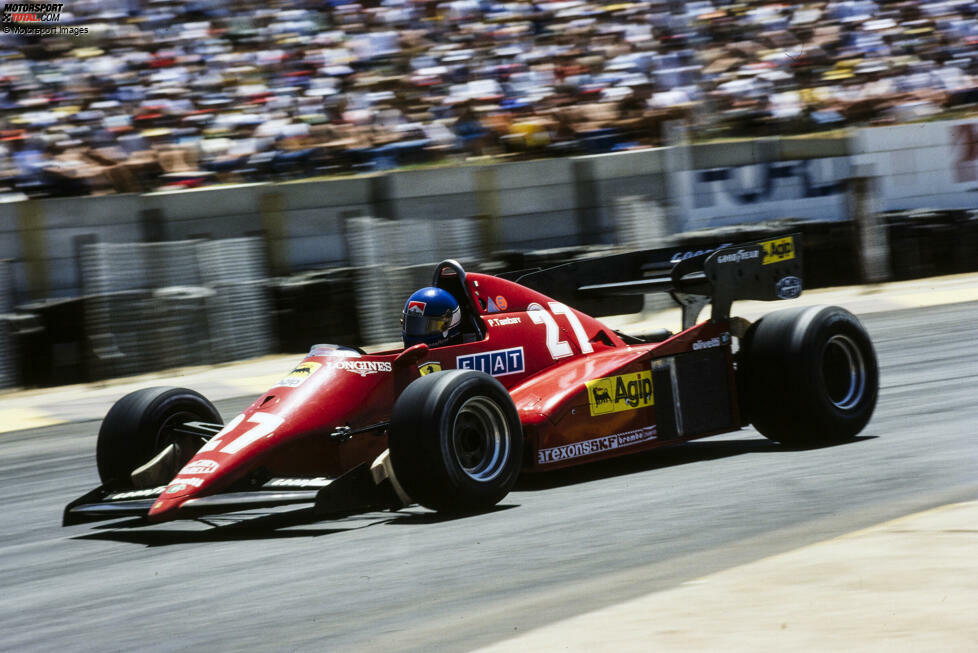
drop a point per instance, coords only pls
(456, 442)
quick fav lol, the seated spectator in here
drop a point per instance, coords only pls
(249, 90)
(471, 133)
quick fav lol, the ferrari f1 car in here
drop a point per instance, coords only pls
(535, 385)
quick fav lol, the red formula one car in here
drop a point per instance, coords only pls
(536, 385)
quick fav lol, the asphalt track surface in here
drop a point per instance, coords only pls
(561, 544)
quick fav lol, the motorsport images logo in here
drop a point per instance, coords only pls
(775, 251)
(614, 394)
(36, 19)
(28, 12)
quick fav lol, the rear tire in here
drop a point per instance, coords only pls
(456, 442)
(809, 376)
(138, 427)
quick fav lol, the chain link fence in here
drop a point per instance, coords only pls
(392, 259)
(157, 305)
(239, 309)
(640, 223)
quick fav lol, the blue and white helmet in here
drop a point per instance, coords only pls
(432, 316)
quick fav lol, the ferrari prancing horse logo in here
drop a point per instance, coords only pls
(298, 375)
(428, 368)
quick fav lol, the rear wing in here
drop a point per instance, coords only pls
(764, 270)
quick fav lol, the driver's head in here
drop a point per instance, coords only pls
(432, 316)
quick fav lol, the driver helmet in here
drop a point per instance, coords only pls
(432, 316)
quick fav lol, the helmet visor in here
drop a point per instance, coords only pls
(423, 325)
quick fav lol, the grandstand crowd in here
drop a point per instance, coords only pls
(182, 93)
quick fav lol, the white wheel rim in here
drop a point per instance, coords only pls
(844, 372)
(480, 439)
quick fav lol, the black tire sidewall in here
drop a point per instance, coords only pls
(421, 445)
(131, 430)
(811, 350)
(457, 395)
(785, 393)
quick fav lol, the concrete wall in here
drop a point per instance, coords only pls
(926, 165)
(40, 238)
(747, 181)
(524, 205)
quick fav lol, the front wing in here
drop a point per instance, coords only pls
(363, 488)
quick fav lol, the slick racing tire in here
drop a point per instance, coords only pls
(808, 376)
(456, 443)
(139, 426)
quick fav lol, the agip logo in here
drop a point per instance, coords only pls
(775, 251)
(614, 394)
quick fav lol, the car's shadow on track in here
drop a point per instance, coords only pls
(233, 528)
(682, 454)
(438, 518)
(265, 527)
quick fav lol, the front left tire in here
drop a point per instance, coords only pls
(140, 425)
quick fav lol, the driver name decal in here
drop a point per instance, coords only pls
(496, 363)
(595, 446)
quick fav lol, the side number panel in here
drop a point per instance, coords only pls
(559, 348)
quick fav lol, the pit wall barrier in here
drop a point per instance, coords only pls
(877, 203)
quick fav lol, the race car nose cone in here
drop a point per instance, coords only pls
(165, 508)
